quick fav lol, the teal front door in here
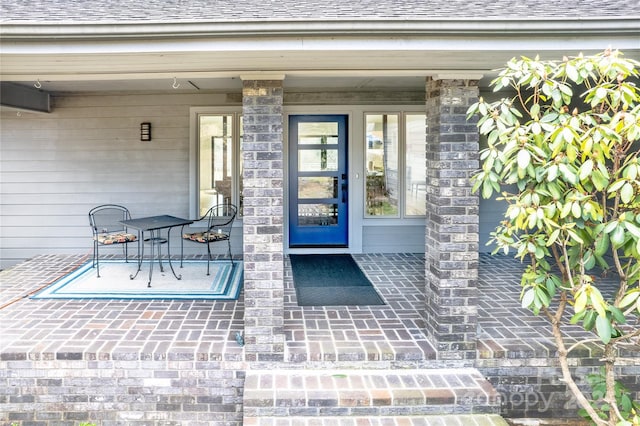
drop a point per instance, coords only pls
(318, 185)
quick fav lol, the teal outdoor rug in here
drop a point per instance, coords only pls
(224, 283)
(331, 280)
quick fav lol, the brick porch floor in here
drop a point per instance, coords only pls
(392, 332)
(388, 336)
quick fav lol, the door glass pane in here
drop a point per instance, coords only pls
(317, 160)
(317, 187)
(318, 133)
(382, 164)
(317, 214)
(415, 177)
(216, 160)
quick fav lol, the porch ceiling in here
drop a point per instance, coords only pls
(73, 62)
(328, 70)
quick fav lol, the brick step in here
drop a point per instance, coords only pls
(447, 420)
(367, 393)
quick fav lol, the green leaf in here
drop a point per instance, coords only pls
(626, 193)
(586, 169)
(535, 110)
(567, 174)
(616, 185)
(601, 93)
(629, 298)
(575, 236)
(633, 229)
(581, 301)
(617, 315)
(576, 209)
(602, 244)
(603, 327)
(587, 146)
(542, 296)
(487, 189)
(549, 118)
(625, 403)
(536, 129)
(524, 158)
(589, 261)
(576, 318)
(611, 226)
(599, 180)
(528, 298)
(632, 172)
(572, 72)
(482, 107)
(598, 302)
(555, 191)
(486, 126)
(617, 236)
(472, 110)
(567, 135)
(553, 237)
(589, 320)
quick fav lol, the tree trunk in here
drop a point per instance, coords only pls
(568, 379)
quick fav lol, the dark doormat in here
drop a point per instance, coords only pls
(331, 280)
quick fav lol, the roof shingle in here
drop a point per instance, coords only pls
(73, 11)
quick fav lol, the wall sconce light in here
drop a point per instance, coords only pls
(145, 132)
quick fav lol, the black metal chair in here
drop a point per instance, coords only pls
(219, 220)
(107, 230)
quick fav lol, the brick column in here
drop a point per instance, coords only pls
(451, 252)
(263, 201)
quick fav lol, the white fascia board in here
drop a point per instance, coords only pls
(261, 76)
(470, 27)
(536, 42)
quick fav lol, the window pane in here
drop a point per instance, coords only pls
(216, 160)
(415, 177)
(317, 160)
(317, 187)
(382, 164)
(317, 214)
(318, 133)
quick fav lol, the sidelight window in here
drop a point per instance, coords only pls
(395, 165)
(218, 165)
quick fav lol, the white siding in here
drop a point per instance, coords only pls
(55, 167)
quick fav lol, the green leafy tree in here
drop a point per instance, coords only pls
(563, 154)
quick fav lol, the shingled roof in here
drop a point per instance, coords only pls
(100, 11)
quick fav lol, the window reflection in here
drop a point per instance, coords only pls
(382, 164)
(317, 214)
(217, 161)
(415, 160)
(317, 187)
(317, 160)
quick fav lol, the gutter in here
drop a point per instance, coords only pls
(470, 27)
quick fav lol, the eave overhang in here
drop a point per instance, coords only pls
(145, 50)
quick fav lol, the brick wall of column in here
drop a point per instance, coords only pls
(451, 252)
(263, 201)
